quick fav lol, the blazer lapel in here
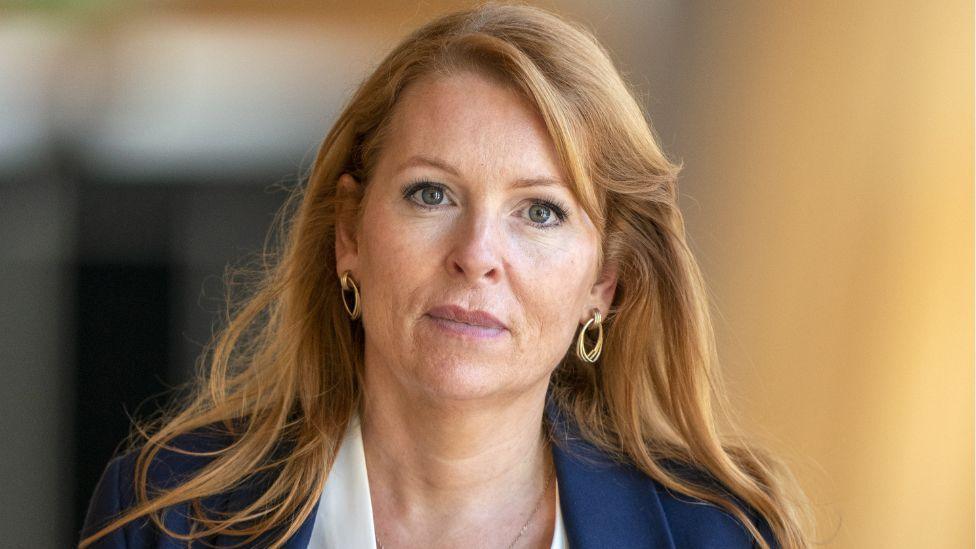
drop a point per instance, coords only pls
(304, 534)
(244, 496)
(604, 503)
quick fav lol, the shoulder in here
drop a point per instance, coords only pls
(604, 498)
(173, 463)
(697, 523)
(609, 496)
(115, 492)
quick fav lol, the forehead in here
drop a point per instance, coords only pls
(477, 125)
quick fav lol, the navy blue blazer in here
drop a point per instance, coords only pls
(605, 504)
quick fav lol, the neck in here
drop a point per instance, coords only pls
(451, 471)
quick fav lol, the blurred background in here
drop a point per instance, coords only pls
(828, 190)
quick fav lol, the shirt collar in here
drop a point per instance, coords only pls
(345, 514)
(344, 517)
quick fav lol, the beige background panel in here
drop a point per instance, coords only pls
(832, 204)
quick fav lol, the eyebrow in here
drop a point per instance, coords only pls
(430, 161)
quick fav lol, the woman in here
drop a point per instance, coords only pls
(484, 329)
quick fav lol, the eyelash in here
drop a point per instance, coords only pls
(557, 208)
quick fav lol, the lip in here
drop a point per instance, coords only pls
(477, 318)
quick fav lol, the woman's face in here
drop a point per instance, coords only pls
(468, 211)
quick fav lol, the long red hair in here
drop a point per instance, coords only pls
(290, 363)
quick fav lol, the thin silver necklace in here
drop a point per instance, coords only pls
(525, 526)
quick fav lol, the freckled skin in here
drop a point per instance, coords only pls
(479, 248)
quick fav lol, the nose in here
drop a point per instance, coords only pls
(476, 250)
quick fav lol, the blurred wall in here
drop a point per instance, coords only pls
(828, 190)
(830, 180)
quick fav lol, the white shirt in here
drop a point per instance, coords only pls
(345, 516)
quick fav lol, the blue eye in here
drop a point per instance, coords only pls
(539, 213)
(542, 213)
(431, 194)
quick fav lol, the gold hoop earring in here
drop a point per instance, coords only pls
(349, 284)
(594, 353)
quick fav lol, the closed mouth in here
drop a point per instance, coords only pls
(460, 315)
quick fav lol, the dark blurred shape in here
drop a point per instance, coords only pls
(122, 329)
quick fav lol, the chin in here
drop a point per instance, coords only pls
(455, 379)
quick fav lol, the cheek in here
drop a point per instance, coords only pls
(390, 272)
(400, 249)
(557, 266)
(553, 284)
(398, 259)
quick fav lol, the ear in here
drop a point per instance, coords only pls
(348, 196)
(602, 292)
